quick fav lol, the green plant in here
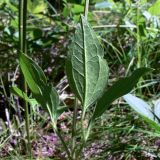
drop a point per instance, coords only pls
(23, 49)
(87, 73)
(150, 114)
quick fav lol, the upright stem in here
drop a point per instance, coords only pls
(74, 128)
(83, 131)
(86, 8)
(23, 49)
(138, 35)
(22, 25)
(139, 49)
(85, 137)
(63, 142)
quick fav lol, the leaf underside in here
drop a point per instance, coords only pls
(86, 69)
(144, 110)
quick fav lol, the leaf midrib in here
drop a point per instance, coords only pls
(85, 59)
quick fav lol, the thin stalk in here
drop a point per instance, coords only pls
(82, 126)
(86, 8)
(22, 25)
(74, 128)
(138, 36)
(23, 49)
(139, 50)
(90, 124)
(83, 131)
(63, 142)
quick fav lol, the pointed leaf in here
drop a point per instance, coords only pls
(45, 94)
(143, 109)
(120, 88)
(139, 106)
(86, 69)
(32, 72)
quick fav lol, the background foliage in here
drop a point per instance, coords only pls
(129, 32)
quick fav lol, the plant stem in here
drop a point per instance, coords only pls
(74, 127)
(63, 142)
(85, 137)
(22, 25)
(86, 8)
(139, 49)
(90, 124)
(23, 49)
(82, 126)
(82, 133)
(138, 36)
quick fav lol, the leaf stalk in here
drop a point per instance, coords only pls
(74, 127)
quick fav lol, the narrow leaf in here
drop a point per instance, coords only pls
(120, 88)
(86, 69)
(139, 106)
(143, 109)
(45, 94)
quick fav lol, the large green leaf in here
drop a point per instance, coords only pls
(86, 69)
(143, 109)
(45, 94)
(120, 88)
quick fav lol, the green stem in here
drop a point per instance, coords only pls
(63, 142)
(86, 8)
(82, 121)
(139, 49)
(83, 131)
(74, 128)
(22, 25)
(90, 124)
(138, 35)
(23, 49)
(85, 137)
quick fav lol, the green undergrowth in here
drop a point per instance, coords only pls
(127, 31)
